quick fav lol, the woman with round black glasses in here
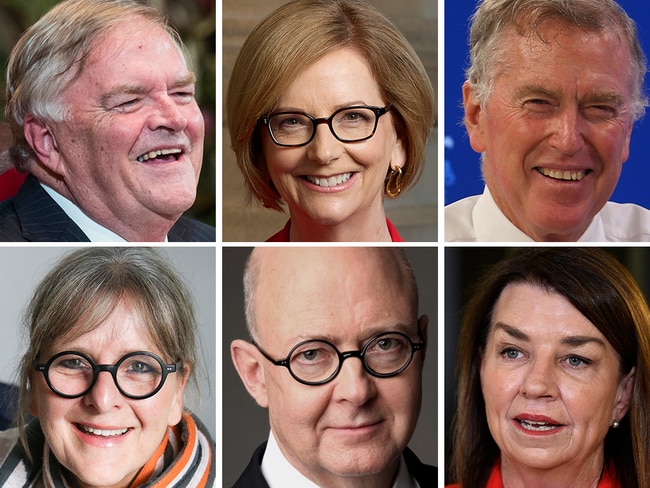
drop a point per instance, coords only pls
(111, 350)
(329, 109)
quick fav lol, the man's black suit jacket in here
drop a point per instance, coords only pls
(252, 476)
(32, 216)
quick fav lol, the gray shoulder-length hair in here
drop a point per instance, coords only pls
(82, 290)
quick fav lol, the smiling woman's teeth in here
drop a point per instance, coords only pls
(537, 426)
(103, 433)
(331, 181)
(155, 154)
(562, 175)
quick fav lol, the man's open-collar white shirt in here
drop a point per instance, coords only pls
(479, 219)
(280, 473)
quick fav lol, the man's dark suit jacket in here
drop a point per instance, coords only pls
(252, 476)
(32, 216)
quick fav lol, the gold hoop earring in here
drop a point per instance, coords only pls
(394, 183)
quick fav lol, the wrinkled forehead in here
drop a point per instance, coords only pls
(550, 31)
(132, 33)
(556, 40)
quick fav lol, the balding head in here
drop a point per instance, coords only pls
(277, 274)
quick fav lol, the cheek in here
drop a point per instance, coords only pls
(54, 415)
(613, 146)
(43, 403)
(169, 404)
(508, 132)
(597, 411)
(278, 160)
(498, 389)
(196, 122)
(379, 150)
(401, 396)
(154, 419)
(296, 407)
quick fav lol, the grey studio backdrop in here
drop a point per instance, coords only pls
(245, 424)
(22, 269)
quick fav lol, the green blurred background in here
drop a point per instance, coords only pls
(195, 21)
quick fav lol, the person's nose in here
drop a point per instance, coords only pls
(540, 380)
(168, 114)
(353, 383)
(568, 131)
(324, 148)
(104, 395)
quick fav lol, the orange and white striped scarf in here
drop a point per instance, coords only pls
(184, 459)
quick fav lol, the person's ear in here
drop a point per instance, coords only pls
(398, 155)
(176, 411)
(474, 118)
(42, 140)
(624, 395)
(247, 360)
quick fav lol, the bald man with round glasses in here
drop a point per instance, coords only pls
(336, 357)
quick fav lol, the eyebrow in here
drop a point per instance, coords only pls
(573, 341)
(187, 79)
(355, 103)
(512, 331)
(137, 89)
(533, 89)
(613, 98)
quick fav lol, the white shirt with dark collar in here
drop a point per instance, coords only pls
(94, 231)
(479, 219)
(280, 473)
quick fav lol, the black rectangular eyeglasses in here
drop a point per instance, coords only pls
(348, 124)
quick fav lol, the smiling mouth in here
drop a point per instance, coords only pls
(102, 432)
(166, 155)
(557, 174)
(326, 182)
(537, 426)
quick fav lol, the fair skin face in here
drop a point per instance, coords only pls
(107, 462)
(354, 209)
(126, 104)
(352, 430)
(555, 130)
(552, 386)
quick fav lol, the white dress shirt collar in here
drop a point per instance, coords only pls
(492, 225)
(280, 473)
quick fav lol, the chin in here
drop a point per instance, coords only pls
(355, 464)
(565, 220)
(102, 478)
(180, 203)
(328, 217)
(537, 460)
